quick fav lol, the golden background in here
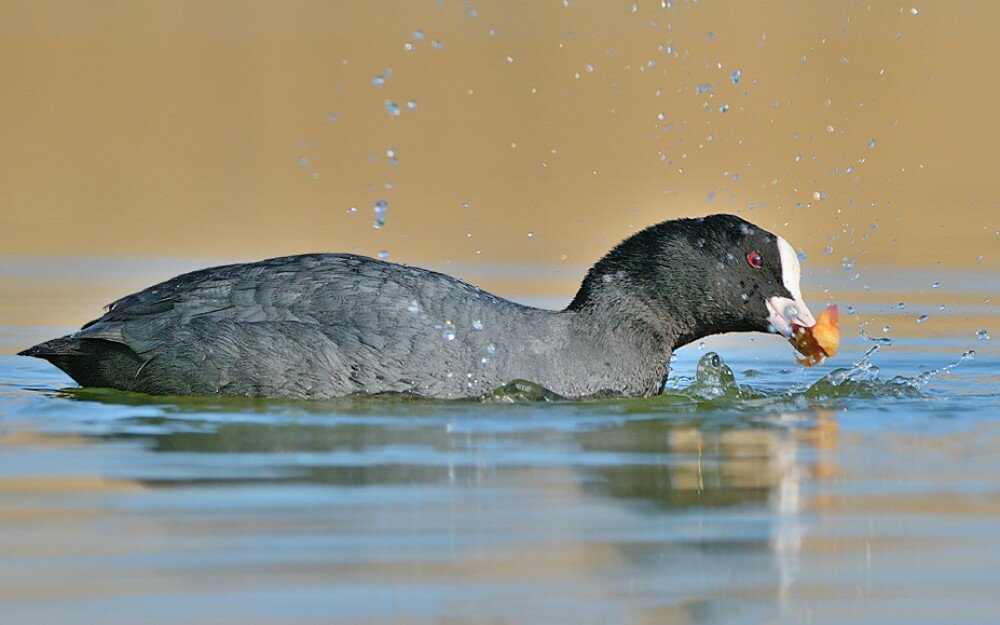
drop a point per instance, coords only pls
(204, 129)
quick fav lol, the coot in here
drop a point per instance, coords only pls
(330, 325)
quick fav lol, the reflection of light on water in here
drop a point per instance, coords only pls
(786, 532)
(788, 529)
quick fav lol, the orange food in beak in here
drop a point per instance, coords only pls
(826, 332)
(820, 341)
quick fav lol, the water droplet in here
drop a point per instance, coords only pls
(735, 77)
(936, 285)
(819, 196)
(703, 88)
(332, 117)
(477, 325)
(886, 328)
(437, 45)
(383, 254)
(530, 234)
(983, 335)
(877, 340)
(418, 35)
(392, 108)
(380, 209)
(413, 308)
(411, 104)
(724, 108)
(827, 250)
(921, 318)
(914, 11)
(901, 306)
(491, 349)
(710, 36)
(378, 80)
(448, 332)
(701, 345)
(871, 143)
(304, 161)
(352, 210)
(850, 310)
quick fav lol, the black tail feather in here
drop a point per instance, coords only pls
(91, 362)
(63, 346)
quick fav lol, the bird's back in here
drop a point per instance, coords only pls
(319, 325)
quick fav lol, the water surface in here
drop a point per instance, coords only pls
(781, 501)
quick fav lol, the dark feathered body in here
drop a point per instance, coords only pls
(329, 325)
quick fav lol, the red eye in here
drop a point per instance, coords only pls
(754, 260)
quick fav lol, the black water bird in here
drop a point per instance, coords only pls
(330, 325)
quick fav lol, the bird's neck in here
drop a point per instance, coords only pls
(627, 337)
(663, 323)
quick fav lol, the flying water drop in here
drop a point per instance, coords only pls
(448, 332)
(380, 209)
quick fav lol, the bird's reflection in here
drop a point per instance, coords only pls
(682, 463)
(675, 461)
(723, 482)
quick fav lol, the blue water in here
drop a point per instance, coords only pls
(788, 502)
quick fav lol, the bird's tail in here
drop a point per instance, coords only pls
(89, 361)
(62, 346)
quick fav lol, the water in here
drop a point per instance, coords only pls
(866, 490)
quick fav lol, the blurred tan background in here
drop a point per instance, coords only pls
(250, 129)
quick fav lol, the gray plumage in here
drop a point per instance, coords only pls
(330, 325)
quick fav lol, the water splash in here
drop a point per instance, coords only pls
(713, 379)
(714, 386)
(521, 391)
